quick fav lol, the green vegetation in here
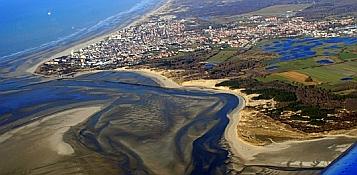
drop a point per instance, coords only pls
(297, 64)
(323, 75)
(329, 74)
(266, 94)
(302, 107)
(332, 74)
(347, 92)
(332, 48)
(233, 84)
(314, 113)
(276, 94)
(345, 65)
(309, 95)
(222, 55)
(180, 54)
(272, 77)
(279, 10)
(349, 53)
(348, 68)
(346, 55)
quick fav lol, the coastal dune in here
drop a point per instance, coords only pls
(155, 151)
(307, 154)
(152, 130)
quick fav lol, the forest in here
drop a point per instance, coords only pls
(314, 109)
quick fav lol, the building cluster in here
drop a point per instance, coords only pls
(162, 37)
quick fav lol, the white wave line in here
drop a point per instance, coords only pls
(108, 22)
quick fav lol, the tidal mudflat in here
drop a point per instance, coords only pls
(39, 144)
(132, 126)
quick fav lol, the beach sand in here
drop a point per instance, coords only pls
(316, 150)
(157, 76)
(239, 148)
(244, 150)
(312, 151)
(160, 9)
(40, 142)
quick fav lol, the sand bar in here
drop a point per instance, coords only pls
(249, 153)
(41, 142)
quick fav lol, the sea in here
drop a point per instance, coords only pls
(28, 26)
(33, 30)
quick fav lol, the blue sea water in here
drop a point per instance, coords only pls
(346, 164)
(26, 25)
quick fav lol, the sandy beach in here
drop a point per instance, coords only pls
(251, 154)
(157, 76)
(274, 154)
(239, 147)
(156, 10)
(244, 150)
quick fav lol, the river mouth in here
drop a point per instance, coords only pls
(142, 128)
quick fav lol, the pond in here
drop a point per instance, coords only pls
(347, 79)
(325, 62)
(302, 48)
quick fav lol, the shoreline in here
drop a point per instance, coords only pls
(63, 121)
(41, 140)
(242, 152)
(86, 42)
(230, 134)
(237, 146)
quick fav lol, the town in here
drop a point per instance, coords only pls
(162, 37)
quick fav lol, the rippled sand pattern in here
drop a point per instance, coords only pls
(140, 128)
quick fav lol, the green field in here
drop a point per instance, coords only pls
(222, 56)
(323, 74)
(302, 63)
(272, 77)
(321, 49)
(344, 66)
(347, 55)
(332, 74)
(297, 64)
(328, 74)
(279, 10)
